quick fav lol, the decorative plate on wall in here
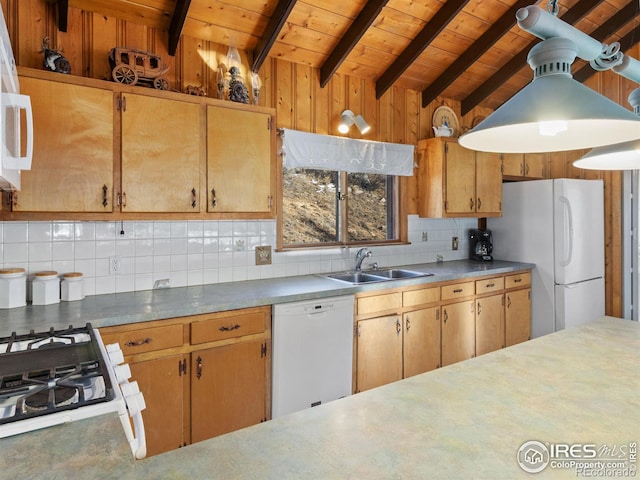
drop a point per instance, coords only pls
(445, 116)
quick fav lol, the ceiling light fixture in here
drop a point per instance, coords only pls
(554, 112)
(347, 118)
(620, 156)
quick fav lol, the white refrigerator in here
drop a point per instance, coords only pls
(559, 226)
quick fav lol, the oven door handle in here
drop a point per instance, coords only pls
(135, 404)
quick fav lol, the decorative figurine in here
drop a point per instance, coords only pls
(237, 90)
(130, 66)
(195, 90)
(53, 59)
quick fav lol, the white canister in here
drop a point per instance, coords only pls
(13, 288)
(72, 287)
(45, 288)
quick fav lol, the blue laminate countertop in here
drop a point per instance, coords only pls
(468, 420)
(124, 308)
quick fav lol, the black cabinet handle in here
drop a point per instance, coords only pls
(229, 329)
(138, 342)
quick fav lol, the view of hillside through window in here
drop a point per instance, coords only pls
(311, 210)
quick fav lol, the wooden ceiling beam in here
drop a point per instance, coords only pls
(177, 22)
(274, 27)
(350, 39)
(519, 60)
(430, 31)
(473, 53)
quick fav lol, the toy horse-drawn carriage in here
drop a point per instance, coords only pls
(129, 66)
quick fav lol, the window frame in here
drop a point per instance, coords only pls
(398, 212)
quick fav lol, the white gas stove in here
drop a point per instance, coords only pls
(58, 376)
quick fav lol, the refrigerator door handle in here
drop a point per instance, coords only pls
(568, 234)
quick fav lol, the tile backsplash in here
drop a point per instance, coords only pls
(199, 251)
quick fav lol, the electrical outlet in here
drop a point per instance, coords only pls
(263, 255)
(114, 264)
(454, 243)
(425, 236)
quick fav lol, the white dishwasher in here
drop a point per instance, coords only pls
(312, 353)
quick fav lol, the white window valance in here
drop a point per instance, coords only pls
(327, 152)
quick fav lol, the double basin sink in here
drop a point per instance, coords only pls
(371, 276)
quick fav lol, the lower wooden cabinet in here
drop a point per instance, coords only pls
(201, 376)
(407, 331)
(397, 335)
(227, 389)
(518, 316)
(379, 351)
(163, 384)
(458, 332)
(490, 330)
(421, 341)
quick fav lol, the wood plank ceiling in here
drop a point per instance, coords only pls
(467, 50)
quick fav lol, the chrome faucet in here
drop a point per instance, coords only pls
(360, 256)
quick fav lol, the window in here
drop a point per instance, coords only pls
(340, 191)
(323, 207)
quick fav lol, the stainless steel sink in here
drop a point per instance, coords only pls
(400, 273)
(356, 278)
(384, 275)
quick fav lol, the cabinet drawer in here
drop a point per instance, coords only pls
(420, 297)
(146, 339)
(457, 290)
(489, 285)
(518, 280)
(379, 303)
(221, 328)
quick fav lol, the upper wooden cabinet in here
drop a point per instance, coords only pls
(240, 166)
(160, 154)
(528, 166)
(104, 150)
(72, 167)
(456, 182)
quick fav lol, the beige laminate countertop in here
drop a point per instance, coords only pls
(464, 421)
(124, 308)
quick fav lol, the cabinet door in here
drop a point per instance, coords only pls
(379, 352)
(488, 183)
(460, 179)
(160, 155)
(518, 316)
(534, 165)
(228, 389)
(458, 332)
(489, 324)
(162, 384)
(512, 164)
(239, 161)
(421, 341)
(72, 166)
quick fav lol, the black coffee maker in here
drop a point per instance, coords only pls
(480, 245)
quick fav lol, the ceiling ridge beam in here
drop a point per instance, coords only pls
(274, 27)
(519, 60)
(350, 39)
(473, 53)
(430, 31)
(177, 23)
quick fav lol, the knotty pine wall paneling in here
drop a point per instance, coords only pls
(294, 91)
